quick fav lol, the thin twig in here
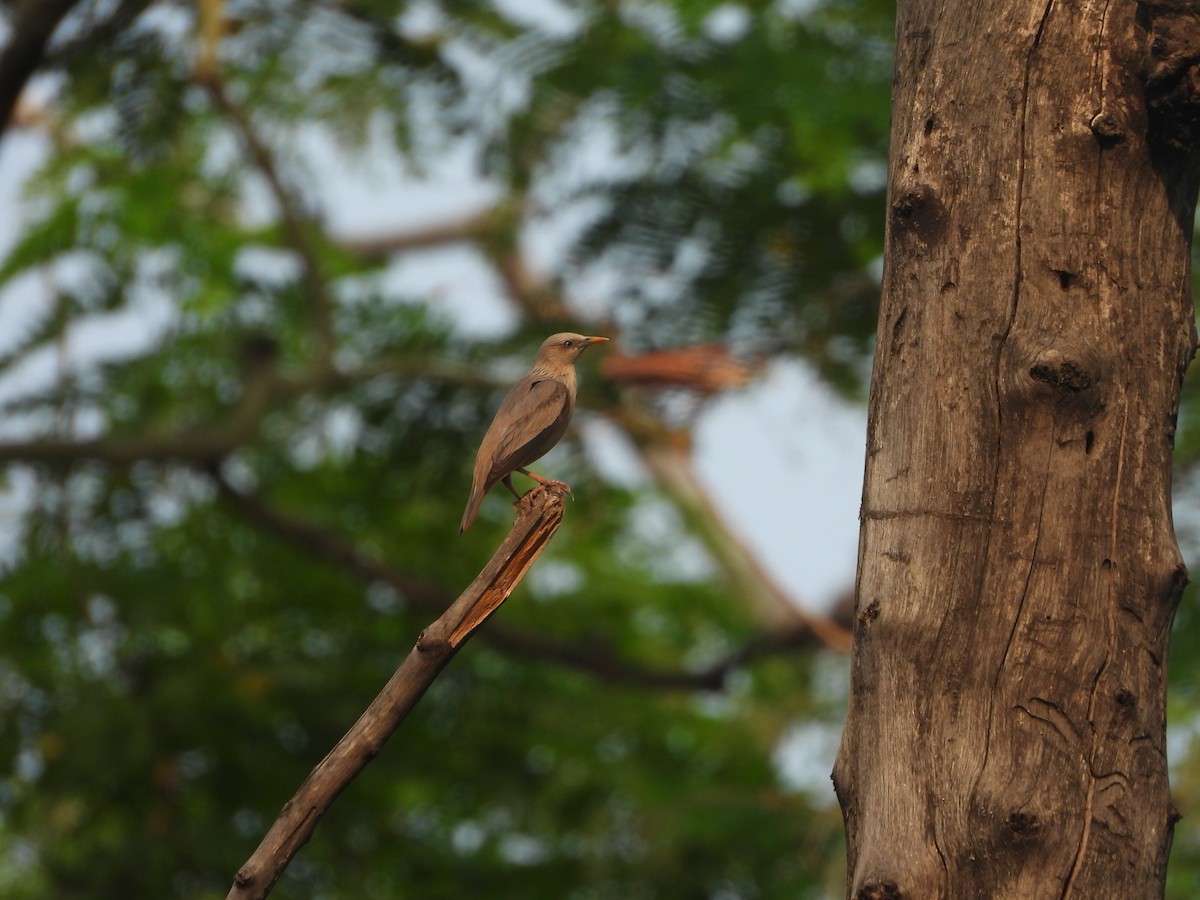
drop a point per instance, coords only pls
(296, 224)
(262, 386)
(540, 514)
(670, 464)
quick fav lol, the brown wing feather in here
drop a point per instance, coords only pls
(535, 415)
(532, 418)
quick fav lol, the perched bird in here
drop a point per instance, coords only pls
(532, 418)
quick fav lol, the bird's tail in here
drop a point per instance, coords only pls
(473, 502)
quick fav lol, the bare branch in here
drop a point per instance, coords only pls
(704, 368)
(33, 26)
(378, 247)
(296, 224)
(665, 453)
(540, 514)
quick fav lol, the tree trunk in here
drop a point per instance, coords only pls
(1018, 570)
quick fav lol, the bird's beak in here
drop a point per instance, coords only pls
(588, 341)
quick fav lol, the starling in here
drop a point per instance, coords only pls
(532, 418)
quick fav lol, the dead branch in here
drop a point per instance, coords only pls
(539, 515)
(593, 660)
(704, 368)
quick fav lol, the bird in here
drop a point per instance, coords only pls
(531, 419)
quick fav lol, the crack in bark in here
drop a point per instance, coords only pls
(1020, 181)
(1012, 633)
(1098, 67)
(879, 514)
(1033, 558)
(1007, 331)
(997, 381)
(1056, 717)
(1110, 613)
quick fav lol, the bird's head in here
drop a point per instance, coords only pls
(563, 349)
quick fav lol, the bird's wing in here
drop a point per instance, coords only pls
(535, 415)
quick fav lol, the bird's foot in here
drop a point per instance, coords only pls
(547, 483)
(534, 496)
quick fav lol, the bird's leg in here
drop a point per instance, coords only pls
(546, 481)
(507, 482)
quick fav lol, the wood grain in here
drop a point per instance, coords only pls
(1018, 568)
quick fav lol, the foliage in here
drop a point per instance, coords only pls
(1183, 700)
(203, 598)
(173, 661)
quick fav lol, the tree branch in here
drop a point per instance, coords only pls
(670, 465)
(701, 368)
(591, 660)
(540, 514)
(195, 444)
(377, 248)
(295, 222)
(263, 385)
(33, 26)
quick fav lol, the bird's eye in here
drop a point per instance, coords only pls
(566, 343)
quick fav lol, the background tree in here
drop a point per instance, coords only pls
(237, 511)
(238, 440)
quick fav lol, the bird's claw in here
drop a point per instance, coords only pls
(557, 485)
(541, 486)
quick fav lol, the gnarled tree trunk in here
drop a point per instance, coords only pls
(1018, 569)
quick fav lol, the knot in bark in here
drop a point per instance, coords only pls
(1060, 373)
(1107, 129)
(918, 211)
(879, 890)
(1023, 825)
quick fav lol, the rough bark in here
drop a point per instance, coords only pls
(1018, 570)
